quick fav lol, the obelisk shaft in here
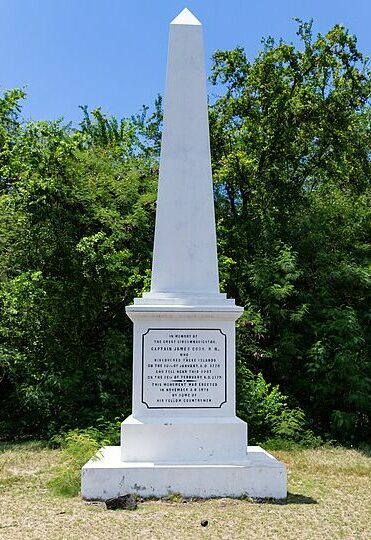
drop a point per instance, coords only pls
(185, 255)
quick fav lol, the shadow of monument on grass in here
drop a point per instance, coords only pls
(292, 498)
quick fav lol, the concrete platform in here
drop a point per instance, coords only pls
(258, 475)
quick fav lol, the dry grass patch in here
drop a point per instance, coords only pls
(329, 498)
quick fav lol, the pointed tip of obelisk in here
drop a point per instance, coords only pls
(186, 17)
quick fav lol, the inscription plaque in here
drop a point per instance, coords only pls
(184, 368)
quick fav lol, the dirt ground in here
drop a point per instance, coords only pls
(329, 497)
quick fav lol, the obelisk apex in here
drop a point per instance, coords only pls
(186, 17)
(185, 255)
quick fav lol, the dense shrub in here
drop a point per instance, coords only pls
(291, 159)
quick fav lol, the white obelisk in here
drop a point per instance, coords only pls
(183, 435)
(184, 257)
(185, 266)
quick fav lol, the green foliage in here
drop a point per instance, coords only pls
(78, 227)
(77, 447)
(268, 413)
(291, 158)
(9, 126)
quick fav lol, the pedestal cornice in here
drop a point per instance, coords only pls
(161, 304)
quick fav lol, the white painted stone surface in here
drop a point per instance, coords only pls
(183, 435)
(192, 322)
(260, 475)
(191, 439)
(184, 259)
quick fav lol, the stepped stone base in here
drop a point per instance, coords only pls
(258, 474)
(190, 440)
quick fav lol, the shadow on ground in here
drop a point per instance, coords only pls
(292, 498)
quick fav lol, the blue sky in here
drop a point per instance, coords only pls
(112, 53)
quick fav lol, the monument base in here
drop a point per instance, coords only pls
(190, 439)
(259, 475)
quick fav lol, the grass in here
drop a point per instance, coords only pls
(329, 498)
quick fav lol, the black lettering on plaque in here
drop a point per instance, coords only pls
(184, 368)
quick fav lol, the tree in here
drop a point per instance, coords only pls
(291, 159)
(78, 217)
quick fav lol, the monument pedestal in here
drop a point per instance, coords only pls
(185, 440)
(183, 436)
(258, 475)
